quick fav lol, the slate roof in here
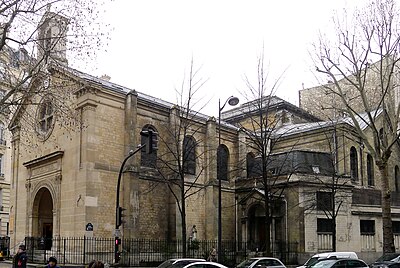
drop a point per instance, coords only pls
(125, 90)
(288, 130)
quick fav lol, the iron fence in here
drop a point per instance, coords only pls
(143, 252)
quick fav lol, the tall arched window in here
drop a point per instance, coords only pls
(45, 118)
(222, 162)
(189, 155)
(148, 159)
(397, 178)
(353, 163)
(250, 160)
(370, 170)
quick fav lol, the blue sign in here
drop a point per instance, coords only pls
(89, 227)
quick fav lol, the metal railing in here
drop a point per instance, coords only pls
(324, 241)
(143, 252)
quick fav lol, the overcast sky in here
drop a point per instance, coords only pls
(152, 43)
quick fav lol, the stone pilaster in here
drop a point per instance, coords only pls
(211, 221)
(131, 136)
(86, 104)
(129, 198)
(242, 154)
(15, 145)
(211, 145)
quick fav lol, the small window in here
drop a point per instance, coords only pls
(273, 171)
(250, 161)
(397, 178)
(370, 171)
(353, 163)
(396, 227)
(367, 227)
(324, 201)
(189, 155)
(324, 226)
(316, 169)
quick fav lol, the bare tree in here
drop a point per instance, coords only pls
(362, 66)
(34, 34)
(182, 164)
(262, 118)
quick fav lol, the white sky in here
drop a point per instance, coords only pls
(153, 41)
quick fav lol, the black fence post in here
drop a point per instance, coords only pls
(64, 246)
(84, 249)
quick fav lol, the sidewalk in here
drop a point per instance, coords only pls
(8, 264)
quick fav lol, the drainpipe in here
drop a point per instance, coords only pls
(286, 220)
(236, 224)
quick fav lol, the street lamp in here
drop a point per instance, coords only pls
(231, 101)
(117, 208)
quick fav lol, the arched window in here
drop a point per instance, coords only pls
(148, 159)
(45, 118)
(222, 162)
(397, 178)
(250, 161)
(370, 170)
(189, 155)
(353, 163)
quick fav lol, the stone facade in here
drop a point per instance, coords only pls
(68, 150)
(362, 93)
(66, 177)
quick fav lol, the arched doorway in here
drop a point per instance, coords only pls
(256, 227)
(43, 217)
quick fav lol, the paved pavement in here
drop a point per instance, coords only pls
(4, 264)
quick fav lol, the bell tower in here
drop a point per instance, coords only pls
(52, 37)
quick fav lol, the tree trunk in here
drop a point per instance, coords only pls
(183, 217)
(267, 250)
(388, 240)
(334, 233)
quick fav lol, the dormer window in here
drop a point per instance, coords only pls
(315, 169)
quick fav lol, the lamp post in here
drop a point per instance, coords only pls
(231, 101)
(117, 208)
